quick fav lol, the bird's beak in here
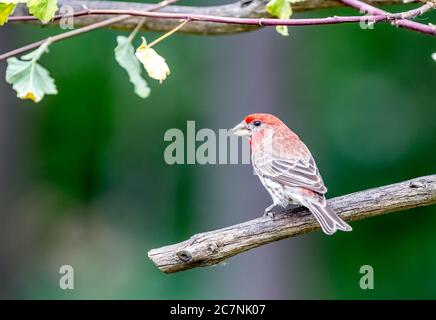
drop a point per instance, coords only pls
(241, 129)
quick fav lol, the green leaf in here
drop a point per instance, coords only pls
(29, 79)
(125, 56)
(44, 10)
(6, 9)
(283, 30)
(281, 9)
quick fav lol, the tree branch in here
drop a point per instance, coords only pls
(264, 22)
(76, 32)
(239, 9)
(123, 15)
(210, 248)
(403, 23)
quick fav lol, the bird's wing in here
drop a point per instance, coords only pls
(292, 172)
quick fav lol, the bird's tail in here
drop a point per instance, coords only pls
(327, 218)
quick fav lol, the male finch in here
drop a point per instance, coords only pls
(287, 169)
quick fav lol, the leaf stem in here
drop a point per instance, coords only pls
(135, 31)
(166, 35)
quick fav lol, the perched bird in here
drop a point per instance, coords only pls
(287, 169)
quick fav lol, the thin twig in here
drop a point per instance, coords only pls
(210, 248)
(63, 36)
(55, 18)
(166, 35)
(402, 22)
(125, 14)
(410, 14)
(240, 9)
(377, 17)
(135, 31)
(79, 31)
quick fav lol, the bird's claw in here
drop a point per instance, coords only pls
(268, 211)
(268, 214)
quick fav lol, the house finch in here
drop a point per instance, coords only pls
(287, 169)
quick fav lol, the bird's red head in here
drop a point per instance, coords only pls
(265, 129)
(259, 123)
(264, 118)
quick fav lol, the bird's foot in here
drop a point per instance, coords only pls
(268, 212)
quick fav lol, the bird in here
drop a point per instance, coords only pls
(287, 169)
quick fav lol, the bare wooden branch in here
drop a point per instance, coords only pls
(238, 9)
(212, 247)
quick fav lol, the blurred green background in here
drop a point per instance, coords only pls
(83, 179)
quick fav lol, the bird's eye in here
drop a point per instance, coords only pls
(257, 123)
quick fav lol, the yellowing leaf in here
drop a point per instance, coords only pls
(154, 64)
(29, 79)
(44, 10)
(281, 9)
(6, 9)
(30, 96)
(125, 56)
